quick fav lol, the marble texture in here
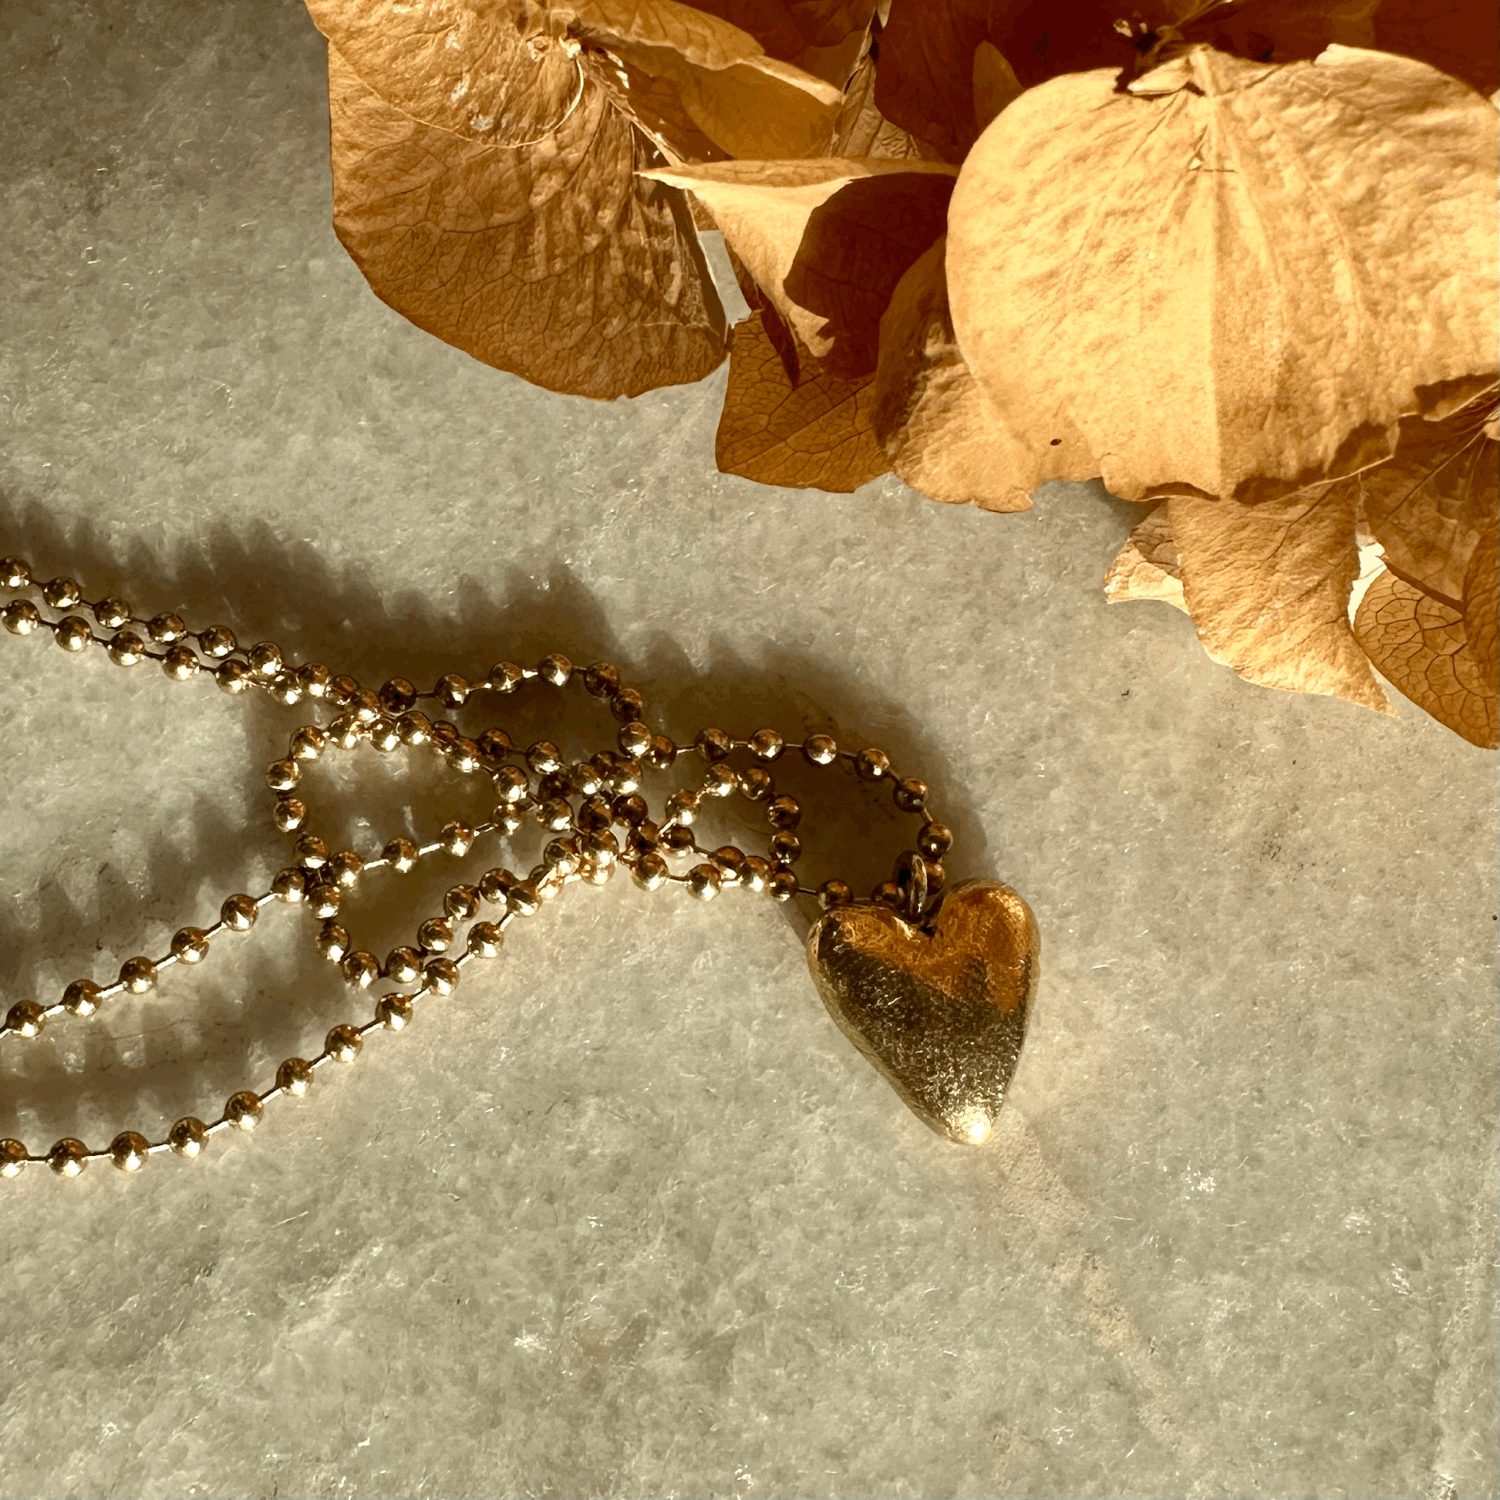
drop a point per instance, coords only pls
(629, 1216)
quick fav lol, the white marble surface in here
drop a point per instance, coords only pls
(629, 1217)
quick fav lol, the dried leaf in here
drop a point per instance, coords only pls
(554, 261)
(1431, 503)
(459, 65)
(1260, 271)
(1422, 646)
(823, 37)
(995, 84)
(826, 240)
(926, 69)
(1147, 566)
(1481, 603)
(1458, 37)
(941, 434)
(814, 432)
(863, 131)
(1268, 588)
(746, 102)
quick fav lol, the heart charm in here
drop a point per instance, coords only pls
(940, 1009)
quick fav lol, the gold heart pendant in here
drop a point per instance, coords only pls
(940, 1009)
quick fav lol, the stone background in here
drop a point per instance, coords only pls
(629, 1216)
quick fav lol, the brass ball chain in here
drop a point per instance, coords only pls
(578, 805)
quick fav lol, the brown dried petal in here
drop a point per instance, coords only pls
(1268, 588)
(926, 69)
(1236, 277)
(499, 74)
(746, 102)
(863, 131)
(554, 261)
(941, 434)
(826, 240)
(1147, 566)
(815, 433)
(823, 37)
(1431, 503)
(1422, 646)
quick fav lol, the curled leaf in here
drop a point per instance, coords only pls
(823, 37)
(459, 65)
(826, 240)
(799, 427)
(1271, 267)
(1422, 645)
(942, 436)
(1268, 589)
(1147, 566)
(928, 68)
(744, 101)
(555, 261)
(1429, 506)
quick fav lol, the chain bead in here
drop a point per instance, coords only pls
(324, 899)
(180, 664)
(128, 1151)
(166, 629)
(786, 848)
(344, 867)
(834, 893)
(397, 696)
(294, 1077)
(15, 572)
(650, 872)
(820, 749)
(343, 1043)
(384, 735)
(601, 680)
(888, 893)
(266, 659)
(504, 677)
(782, 885)
(460, 902)
(393, 1011)
(232, 676)
(402, 964)
(766, 744)
(110, 613)
(216, 641)
(555, 669)
(72, 633)
(138, 975)
(190, 945)
(415, 728)
(871, 764)
(62, 593)
(484, 939)
(522, 899)
(238, 913)
(189, 1136)
(360, 968)
(435, 935)
(68, 1157)
(755, 873)
(756, 784)
(784, 812)
(126, 648)
(705, 881)
(719, 781)
(400, 854)
(25, 1018)
(935, 840)
(81, 998)
(307, 743)
(21, 617)
(441, 976)
(311, 851)
(332, 941)
(456, 838)
(283, 775)
(315, 679)
(243, 1110)
(452, 691)
(13, 1156)
(910, 794)
(712, 744)
(289, 885)
(290, 814)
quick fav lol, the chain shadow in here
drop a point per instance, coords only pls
(143, 1062)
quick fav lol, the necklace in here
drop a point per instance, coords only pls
(933, 985)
